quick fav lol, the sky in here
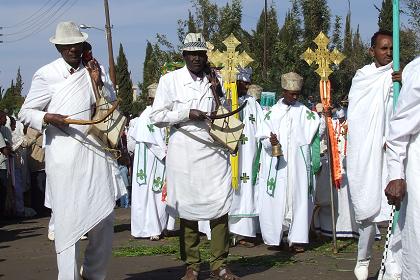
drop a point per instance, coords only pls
(134, 23)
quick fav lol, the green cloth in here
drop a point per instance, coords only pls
(189, 241)
(256, 164)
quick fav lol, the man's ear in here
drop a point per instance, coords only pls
(371, 52)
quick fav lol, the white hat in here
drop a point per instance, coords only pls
(340, 113)
(244, 74)
(291, 81)
(68, 33)
(194, 42)
(255, 91)
(151, 90)
(319, 108)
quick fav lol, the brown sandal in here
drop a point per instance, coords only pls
(190, 274)
(223, 273)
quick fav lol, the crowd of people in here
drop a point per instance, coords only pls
(278, 190)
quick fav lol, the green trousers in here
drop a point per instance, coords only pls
(190, 240)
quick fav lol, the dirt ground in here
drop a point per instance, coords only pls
(26, 253)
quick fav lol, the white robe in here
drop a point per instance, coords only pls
(198, 170)
(345, 222)
(285, 199)
(82, 178)
(403, 155)
(370, 108)
(148, 211)
(243, 215)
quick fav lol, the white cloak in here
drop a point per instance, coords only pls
(285, 199)
(82, 178)
(403, 154)
(148, 211)
(243, 215)
(370, 108)
(198, 170)
(346, 225)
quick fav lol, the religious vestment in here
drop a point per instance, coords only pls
(286, 182)
(243, 215)
(369, 111)
(345, 222)
(403, 155)
(197, 169)
(148, 208)
(82, 177)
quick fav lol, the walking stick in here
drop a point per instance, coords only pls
(396, 87)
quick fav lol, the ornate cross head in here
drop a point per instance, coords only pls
(230, 59)
(322, 56)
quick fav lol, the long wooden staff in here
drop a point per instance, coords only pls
(396, 87)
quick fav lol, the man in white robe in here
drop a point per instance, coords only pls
(243, 214)
(197, 169)
(286, 181)
(345, 222)
(81, 175)
(369, 111)
(403, 156)
(148, 208)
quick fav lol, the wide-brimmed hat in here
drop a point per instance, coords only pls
(68, 33)
(194, 42)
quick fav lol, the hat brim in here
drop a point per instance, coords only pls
(194, 49)
(69, 41)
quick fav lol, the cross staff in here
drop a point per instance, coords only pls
(323, 58)
(230, 60)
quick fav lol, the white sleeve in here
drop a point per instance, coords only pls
(163, 113)
(32, 111)
(404, 123)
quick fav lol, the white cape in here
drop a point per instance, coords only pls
(370, 107)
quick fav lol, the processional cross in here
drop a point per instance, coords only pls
(323, 58)
(230, 60)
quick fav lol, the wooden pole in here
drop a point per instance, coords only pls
(112, 74)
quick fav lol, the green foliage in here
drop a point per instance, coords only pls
(385, 15)
(11, 99)
(413, 10)
(125, 85)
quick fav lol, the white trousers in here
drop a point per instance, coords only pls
(97, 254)
(367, 230)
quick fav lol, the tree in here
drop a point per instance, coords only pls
(348, 36)
(336, 41)
(385, 15)
(12, 100)
(125, 85)
(19, 83)
(316, 18)
(413, 7)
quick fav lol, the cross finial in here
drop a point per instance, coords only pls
(230, 59)
(322, 56)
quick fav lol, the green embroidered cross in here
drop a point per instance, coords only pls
(251, 118)
(271, 185)
(150, 127)
(243, 139)
(157, 182)
(244, 178)
(267, 116)
(141, 174)
(310, 115)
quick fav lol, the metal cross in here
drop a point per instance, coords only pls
(244, 178)
(230, 59)
(322, 56)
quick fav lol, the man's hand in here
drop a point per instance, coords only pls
(395, 192)
(273, 139)
(55, 119)
(197, 115)
(95, 72)
(397, 76)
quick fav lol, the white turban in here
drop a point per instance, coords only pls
(244, 74)
(340, 113)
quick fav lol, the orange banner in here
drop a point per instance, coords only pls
(325, 92)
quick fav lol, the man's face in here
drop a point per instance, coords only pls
(195, 61)
(382, 51)
(3, 119)
(150, 100)
(290, 96)
(72, 54)
(242, 87)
